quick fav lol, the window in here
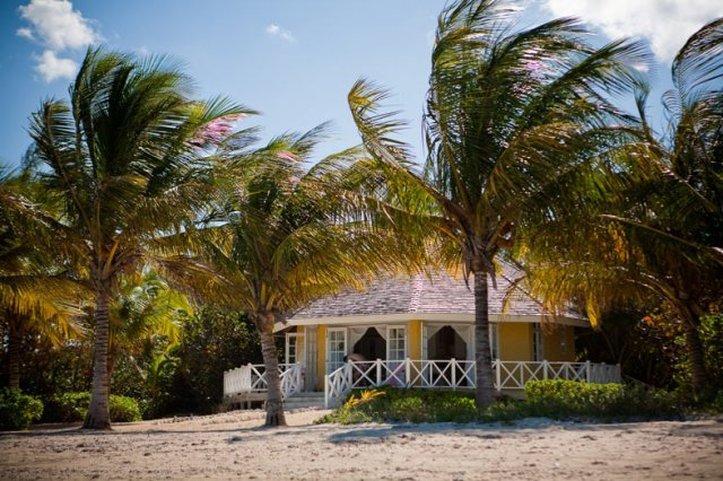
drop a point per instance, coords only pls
(292, 341)
(494, 341)
(397, 343)
(537, 349)
(335, 349)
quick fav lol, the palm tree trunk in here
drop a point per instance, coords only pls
(699, 374)
(484, 390)
(274, 405)
(98, 414)
(14, 340)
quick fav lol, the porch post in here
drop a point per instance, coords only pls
(326, 391)
(588, 369)
(379, 372)
(498, 374)
(407, 372)
(453, 367)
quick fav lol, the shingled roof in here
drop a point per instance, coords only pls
(438, 293)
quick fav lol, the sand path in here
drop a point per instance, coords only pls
(232, 446)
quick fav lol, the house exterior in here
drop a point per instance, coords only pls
(419, 331)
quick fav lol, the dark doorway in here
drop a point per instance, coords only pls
(371, 345)
(446, 344)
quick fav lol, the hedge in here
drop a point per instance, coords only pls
(552, 399)
(18, 410)
(566, 399)
(418, 406)
(73, 406)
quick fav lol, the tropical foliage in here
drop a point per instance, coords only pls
(655, 233)
(147, 244)
(515, 123)
(124, 162)
(37, 294)
(553, 399)
(284, 234)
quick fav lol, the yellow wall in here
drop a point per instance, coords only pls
(300, 331)
(414, 340)
(559, 343)
(515, 341)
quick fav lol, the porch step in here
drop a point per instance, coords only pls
(304, 400)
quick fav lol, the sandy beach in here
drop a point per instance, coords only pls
(233, 446)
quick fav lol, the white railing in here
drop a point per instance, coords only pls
(252, 378)
(456, 374)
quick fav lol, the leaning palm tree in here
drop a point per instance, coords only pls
(125, 163)
(513, 120)
(286, 234)
(658, 231)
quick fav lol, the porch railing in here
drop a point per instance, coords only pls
(252, 378)
(456, 374)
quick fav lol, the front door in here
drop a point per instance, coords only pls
(396, 353)
(336, 348)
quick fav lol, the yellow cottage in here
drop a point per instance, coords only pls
(419, 332)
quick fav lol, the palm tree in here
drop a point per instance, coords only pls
(36, 294)
(513, 120)
(125, 162)
(286, 234)
(658, 230)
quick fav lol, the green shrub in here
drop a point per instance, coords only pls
(565, 399)
(553, 399)
(18, 410)
(419, 406)
(124, 409)
(73, 406)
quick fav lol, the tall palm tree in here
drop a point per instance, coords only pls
(659, 229)
(286, 234)
(36, 294)
(125, 162)
(513, 120)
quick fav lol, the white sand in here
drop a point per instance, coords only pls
(232, 446)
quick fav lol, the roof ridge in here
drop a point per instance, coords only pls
(417, 286)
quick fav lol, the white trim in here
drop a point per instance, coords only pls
(429, 317)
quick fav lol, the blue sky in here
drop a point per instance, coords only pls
(293, 60)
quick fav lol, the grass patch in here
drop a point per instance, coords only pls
(553, 399)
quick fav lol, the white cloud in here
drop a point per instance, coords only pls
(278, 31)
(58, 25)
(25, 33)
(666, 24)
(51, 67)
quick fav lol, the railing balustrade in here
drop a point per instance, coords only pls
(456, 374)
(252, 378)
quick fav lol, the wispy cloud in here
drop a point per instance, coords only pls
(277, 31)
(50, 67)
(665, 24)
(25, 33)
(58, 27)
